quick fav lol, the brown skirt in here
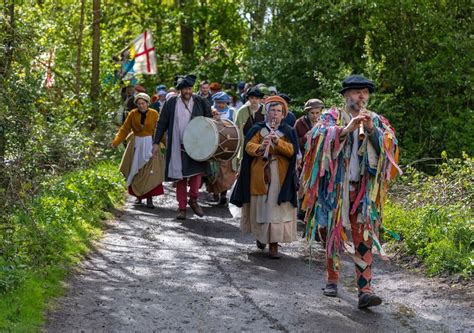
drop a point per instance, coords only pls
(224, 180)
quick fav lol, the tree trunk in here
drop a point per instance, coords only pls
(5, 62)
(79, 51)
(203, 26)
(95, 78)
(159, 24)
(9, 37)
(187, 31)
(257, 18)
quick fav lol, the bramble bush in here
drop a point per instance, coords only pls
(433, 214)
(48, 234)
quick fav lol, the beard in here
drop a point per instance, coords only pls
(186, 95)
(354, 105)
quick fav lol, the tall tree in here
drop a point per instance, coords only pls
(186, 28)
(9, 37)
(79, 50)
(257, 11)
(95, 78)
(5, 61)
(202, 32)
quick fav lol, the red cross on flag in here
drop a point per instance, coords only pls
(143, 54)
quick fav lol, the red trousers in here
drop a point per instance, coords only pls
(194, 183)
(363, 250)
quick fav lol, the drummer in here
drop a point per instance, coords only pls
(180, 167)
(221, 176)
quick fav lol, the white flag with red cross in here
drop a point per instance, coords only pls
(142, 54)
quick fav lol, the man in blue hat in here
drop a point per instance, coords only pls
(352, 156)
(177, 112)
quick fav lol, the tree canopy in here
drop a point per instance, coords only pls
(418, 54)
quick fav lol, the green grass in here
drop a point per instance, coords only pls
(47, 237)
(442, 237)
(22, 309)
(433, 214)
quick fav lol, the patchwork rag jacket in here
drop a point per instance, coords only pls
(328, 177)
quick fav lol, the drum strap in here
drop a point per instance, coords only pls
(187, 108)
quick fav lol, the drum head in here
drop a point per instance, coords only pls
(200, 138)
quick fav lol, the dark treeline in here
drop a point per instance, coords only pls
(417, 52)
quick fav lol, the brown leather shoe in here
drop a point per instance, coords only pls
(260, 245)
(181, 214)
(195, 207)
(274, 251)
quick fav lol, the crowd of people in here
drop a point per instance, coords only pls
(328, 169)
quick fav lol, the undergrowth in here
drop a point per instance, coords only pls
(43, 238)
(433, 215)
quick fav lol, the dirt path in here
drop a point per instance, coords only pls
(152, 273)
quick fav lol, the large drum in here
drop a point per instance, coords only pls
(207, 138)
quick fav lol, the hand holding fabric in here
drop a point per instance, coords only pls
(156, 149)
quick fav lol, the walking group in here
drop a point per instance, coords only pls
(329, 169)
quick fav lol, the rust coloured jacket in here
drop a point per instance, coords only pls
(283, 152)
(133, 124)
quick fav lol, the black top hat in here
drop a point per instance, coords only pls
(357, 82)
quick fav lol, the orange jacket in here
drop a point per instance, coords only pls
(132, 123)
(282, 151)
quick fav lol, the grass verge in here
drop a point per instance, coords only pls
(434, 216)
(44, 238)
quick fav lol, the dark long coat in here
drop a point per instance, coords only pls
(165, 124)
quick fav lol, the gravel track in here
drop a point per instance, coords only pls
(152, 273)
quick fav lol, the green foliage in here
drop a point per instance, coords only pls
(414, 51)
(47, 234)
(434, 215)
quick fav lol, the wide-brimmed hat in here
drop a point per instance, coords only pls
(143, 96)
(313, 103)
(185, 81)
(357, 82)
(264, 89)
(256, 92)
(277, 99)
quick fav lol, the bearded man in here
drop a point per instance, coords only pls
(180, 167)
(352, 155)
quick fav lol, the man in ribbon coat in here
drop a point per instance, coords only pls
(352, 155)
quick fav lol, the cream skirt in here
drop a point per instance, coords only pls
(267, 221)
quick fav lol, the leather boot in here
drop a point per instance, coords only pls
(195, 207)
(181, 214)
(274, 251)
